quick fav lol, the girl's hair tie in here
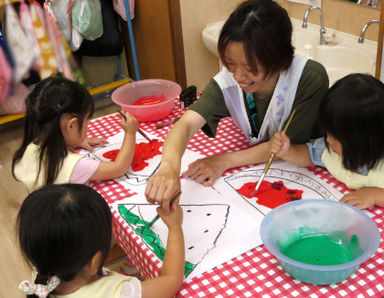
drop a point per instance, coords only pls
(58, 110)
(41, 291)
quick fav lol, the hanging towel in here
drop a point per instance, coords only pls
(110, 43)
(5, 76)
(15, 103)
(6, 50)
(19, 45)
(67, 62)
(119, 7)
(62, 10)
(87, 18)
(26, 24)
(55, 37)
(47, 60)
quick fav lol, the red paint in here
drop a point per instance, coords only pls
(143, 152)
(212, 186)
(149, 100)
(270, 194)
(111, 154)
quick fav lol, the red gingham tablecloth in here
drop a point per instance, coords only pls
(255, 273)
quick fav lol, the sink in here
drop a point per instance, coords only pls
(342, 55)
(210, 36)
(305, 43)
(340, 61)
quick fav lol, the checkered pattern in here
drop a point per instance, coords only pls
(331, 181)
(144, 260)
(255, 273)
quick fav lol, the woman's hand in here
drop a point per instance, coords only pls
(165, 183)
(89, 143)
(207, 170)
(365, 197)
(279, 144)
(163, 186)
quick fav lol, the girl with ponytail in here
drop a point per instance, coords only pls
(65, 233)
(56, 123)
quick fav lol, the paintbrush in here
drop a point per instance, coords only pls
(168, 122)
(138, 129)
(271, 158)
(158, 216)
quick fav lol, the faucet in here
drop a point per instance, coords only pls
(322, 28)
(366, 25)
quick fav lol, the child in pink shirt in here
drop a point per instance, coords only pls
(58, 111)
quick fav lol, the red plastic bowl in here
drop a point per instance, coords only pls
(126, 95)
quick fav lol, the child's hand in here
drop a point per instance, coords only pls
(279, 144)
(129, 124)
(89, 143)
(365, 197)
(173, 219)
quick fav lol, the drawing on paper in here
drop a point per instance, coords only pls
(279, 186)
(228, 214)
(202, 226)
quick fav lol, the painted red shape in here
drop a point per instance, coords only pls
(149, 100)
(270, 194)
(111, 154)
(143, 152)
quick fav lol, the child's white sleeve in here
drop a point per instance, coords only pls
(131, 289)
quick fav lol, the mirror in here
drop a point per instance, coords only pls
(367, 3)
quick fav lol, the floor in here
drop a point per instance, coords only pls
(13, 268)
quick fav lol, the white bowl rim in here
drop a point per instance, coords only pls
(354, 263)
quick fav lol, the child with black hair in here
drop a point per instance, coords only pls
(56, 122)
(351, 116)
(65, 233)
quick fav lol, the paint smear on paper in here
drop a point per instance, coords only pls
(143, 152)
(111, 155)
(270, 194)
(149, 236)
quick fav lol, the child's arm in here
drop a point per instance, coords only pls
(365, 197)
(89, 143)
(172, 272)
(110, 170)
(298, 155)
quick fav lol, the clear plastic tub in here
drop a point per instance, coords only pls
(126, 95)
(341, 221)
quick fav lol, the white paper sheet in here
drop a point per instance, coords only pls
(219, 223)
(216, 228)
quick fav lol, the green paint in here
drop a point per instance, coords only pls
(149, 236)
(322, 249)
(188, 268)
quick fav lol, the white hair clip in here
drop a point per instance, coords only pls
(41, 291)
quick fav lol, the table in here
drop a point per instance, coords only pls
(255, 273)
